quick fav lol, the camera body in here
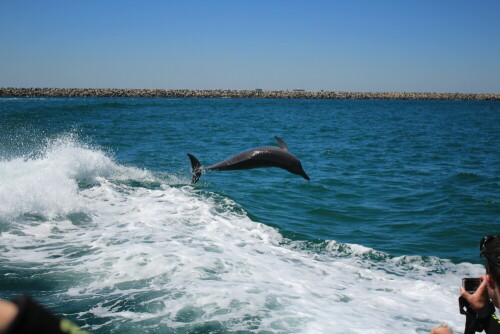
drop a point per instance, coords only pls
(471, 284)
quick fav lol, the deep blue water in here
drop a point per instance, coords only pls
(397, 179)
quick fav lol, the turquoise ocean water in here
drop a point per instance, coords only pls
(99, 222)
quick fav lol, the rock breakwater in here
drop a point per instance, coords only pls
(221, 93)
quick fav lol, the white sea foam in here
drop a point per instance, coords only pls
(176, 257)
(46, 183)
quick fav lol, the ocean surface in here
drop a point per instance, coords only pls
(99, 221)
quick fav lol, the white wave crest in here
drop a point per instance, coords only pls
(46, 183)
(171, 256)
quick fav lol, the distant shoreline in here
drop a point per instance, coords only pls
(221, 93)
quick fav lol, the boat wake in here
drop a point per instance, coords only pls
(120, 249)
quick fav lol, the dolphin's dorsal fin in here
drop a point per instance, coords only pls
(281, 143)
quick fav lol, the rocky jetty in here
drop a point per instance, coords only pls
(220, 93)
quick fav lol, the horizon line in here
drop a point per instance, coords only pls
(295, 90)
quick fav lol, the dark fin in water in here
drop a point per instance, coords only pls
(195, 168)
(281, 143)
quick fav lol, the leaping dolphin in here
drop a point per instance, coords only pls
(259, 157)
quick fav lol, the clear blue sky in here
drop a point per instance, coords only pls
(404, 45)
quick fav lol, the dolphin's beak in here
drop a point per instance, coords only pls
(305, 176)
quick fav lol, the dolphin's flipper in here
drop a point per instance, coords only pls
(196, 168)
(281, 143)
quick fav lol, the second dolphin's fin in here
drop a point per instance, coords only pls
(281, 143)
(196, 168)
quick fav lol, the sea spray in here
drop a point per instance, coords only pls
(177, 259)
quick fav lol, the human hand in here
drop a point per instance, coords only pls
(441, 329)
(8, 311)
(479, 299)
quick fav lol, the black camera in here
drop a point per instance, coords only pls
(471, 284)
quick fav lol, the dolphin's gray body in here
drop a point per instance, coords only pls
(259, 157)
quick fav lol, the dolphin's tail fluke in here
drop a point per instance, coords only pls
(196, 168)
